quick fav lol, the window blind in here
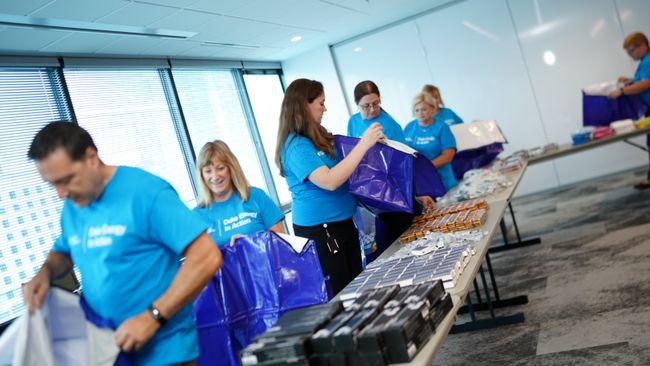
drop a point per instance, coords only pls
(128, 116)
(29, 207)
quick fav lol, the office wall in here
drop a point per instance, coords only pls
(523, 65)
(319, 65)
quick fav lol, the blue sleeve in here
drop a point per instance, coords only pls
(396, 133)
(271, 214)
(447, 139)
(456, 118)
(61, 246)
(392, 129)
(172, 223)
(408, 140)
(301, 158)
(643, 72)
(350, 128)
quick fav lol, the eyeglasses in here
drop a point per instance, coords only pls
(367, 107)
(631, 49)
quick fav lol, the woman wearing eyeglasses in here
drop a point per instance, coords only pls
(444, 114)
(322, 205)
(432, 137)
(367, 98)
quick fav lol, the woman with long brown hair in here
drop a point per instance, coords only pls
(322, 205)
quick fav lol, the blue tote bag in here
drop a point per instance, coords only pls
(387, 179)
(262, 277)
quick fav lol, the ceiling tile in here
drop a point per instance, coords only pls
(131, 45)
(136, 14)
(296, 13)
(26, 39)
(22, 7)
(176, 3)
(184, 20)
(233, 53)
(221, 26)
(199, 51)
(169, 47)
(81, 42)
(221, 7)
(79, 10)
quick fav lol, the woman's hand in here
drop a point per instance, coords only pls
(371, 135)
(615, 94)
(233, 238)
(426, 201)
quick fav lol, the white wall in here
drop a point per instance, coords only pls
(586, 39)
(493, 67)
(318, 65)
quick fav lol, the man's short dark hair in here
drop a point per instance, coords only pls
(60, 134)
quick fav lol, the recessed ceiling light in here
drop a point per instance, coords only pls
(358, 49)
(296, 39)
(549, 58)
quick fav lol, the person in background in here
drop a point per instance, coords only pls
(441, 113)
(367, 98)
(432, 138)
(389, 225)
(317, 178)
(125, 230)
(228, 204)
(636, 46)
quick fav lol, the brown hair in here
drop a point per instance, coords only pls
(635, 39)
(433, 91)
(423, 98)
(218, 149)
(295, 117)
(364, 88)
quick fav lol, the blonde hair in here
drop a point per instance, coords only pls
(423, 98)
(218, 149)
(295, 117)
(433, 91)
(635, 39)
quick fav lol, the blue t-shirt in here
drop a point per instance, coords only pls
(313, 205)
(234, 216)
(357, 126)
(642, 73)
(448, 117)
(127, 245)
(431, 141)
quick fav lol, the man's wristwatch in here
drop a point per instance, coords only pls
(155, 313)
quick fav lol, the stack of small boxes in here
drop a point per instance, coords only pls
(465, 215)
(444, 264)
(388, 325)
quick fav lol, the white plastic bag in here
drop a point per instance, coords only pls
(476, 134)
(601, 89)
(57, 334)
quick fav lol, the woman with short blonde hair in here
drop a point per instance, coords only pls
(441, 113)
(432, 137)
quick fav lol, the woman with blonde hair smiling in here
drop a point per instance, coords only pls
(432, 138)
(227, 202)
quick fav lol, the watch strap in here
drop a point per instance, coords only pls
(155, 313)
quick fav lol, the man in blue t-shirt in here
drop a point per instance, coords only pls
(636, 46)
(125, 230)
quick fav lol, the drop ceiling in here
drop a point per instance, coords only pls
(223, 29)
